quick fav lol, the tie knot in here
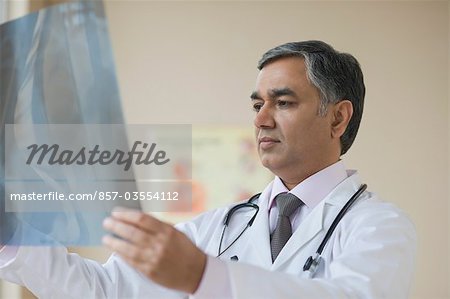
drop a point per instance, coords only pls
(287, 203)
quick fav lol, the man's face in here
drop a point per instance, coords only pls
(293, 141)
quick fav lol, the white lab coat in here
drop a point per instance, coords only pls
(370, 255)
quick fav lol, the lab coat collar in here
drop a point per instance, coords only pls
(307, 191)
(342, 193)
(314, 222)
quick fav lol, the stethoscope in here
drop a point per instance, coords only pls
(311, 263)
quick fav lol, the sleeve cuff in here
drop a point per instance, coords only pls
(215, 282)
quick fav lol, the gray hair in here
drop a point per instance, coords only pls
(336, 75)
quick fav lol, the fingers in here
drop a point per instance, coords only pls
(141, 220)
(136, 257)
(127, 231)
(137, 227)
(128, 251)
(157, 249)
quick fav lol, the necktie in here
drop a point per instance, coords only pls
(287, 203)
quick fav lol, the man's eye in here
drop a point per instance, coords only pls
(283, 104)
(257, 107)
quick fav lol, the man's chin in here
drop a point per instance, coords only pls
(270, 163)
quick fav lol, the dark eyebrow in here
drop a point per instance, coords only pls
(255, 96)
(278, 92)
(275, 93)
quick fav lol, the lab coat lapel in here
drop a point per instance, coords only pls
(259, 238)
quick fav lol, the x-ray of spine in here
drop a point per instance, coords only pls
(56, 67)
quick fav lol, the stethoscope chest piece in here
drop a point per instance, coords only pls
(312, 264)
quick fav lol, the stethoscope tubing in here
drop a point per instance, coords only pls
(311, 263)
(339, 217)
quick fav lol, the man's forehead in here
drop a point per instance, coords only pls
(281, 76)
(283, 69)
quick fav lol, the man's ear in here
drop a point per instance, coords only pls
(342, 113)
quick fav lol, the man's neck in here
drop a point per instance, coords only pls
(291, 182)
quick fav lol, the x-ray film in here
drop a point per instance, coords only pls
(56, 67)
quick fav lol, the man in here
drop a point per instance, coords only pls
(308, 102)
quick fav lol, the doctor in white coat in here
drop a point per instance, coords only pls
(308, 104)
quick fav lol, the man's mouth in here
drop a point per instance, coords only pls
(267, 142)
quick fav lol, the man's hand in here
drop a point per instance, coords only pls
(157, 249)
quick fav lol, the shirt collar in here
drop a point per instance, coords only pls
(314, 188)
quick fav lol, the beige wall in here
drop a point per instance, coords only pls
(448, 140)
(195, 63)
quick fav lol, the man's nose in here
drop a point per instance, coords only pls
(264, 118)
